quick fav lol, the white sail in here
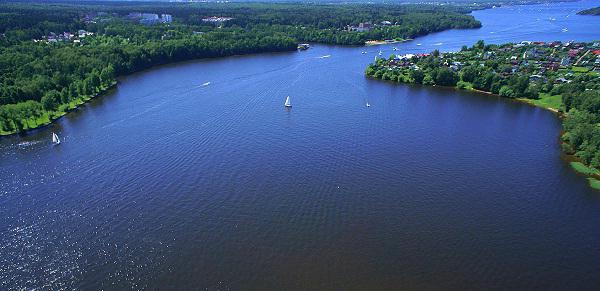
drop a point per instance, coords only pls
(368, 105)
(55, 138)
(288, 103)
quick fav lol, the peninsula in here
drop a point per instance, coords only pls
(592, 11)
(561, 77)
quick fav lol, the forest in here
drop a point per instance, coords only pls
(591, 11)
(56, 56)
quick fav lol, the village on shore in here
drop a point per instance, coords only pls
(542, 62)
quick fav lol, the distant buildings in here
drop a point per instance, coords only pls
(216, 19)
(150, 18)
(362, 27)
(166, 18)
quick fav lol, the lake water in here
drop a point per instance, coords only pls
(166, 183)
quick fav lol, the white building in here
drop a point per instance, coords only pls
(166, 18)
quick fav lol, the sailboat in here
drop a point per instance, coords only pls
(368, 105)
(288, 103)
(55, 139)
(380, 52)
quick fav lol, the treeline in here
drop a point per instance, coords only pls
(324, 23)
(582, 123)
(591, 11)
(41, 80)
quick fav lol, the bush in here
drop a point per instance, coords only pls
(506, 91)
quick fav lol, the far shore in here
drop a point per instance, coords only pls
(380, 42)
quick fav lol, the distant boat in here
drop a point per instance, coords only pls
(375, 59)
(364, 52)
(55, 139)
(325, 56)
(288, 103)
(205, 84)
(395, 49)
(380, 52)
(439, 43)
(418, 44)
(565, 29)
(368, 105)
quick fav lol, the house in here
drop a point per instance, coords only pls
(487, 55)
(216, 20)
(362, 27)
(555, 44)
(535, 78)
(573, 52)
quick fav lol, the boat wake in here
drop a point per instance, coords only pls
(324, 57)
(25, 144)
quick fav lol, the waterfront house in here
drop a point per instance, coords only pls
(535, 78)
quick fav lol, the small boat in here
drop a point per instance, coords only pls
(368, 105)
(363, 52)
(324, 57)
(418, 44)
(55, 139)
(565, 29)
(205, 84)
(380, 52)
(395, 49)
(288, 103)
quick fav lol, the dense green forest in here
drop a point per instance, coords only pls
(563, 77)
(591, 11)
(55, 56)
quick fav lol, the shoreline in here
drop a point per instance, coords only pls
(86, 99)
(592, 174)
(381, 42)
(51, 119)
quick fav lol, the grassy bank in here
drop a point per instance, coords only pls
(49, 117)
(546, 101)
(589, 171)
(594, 183)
